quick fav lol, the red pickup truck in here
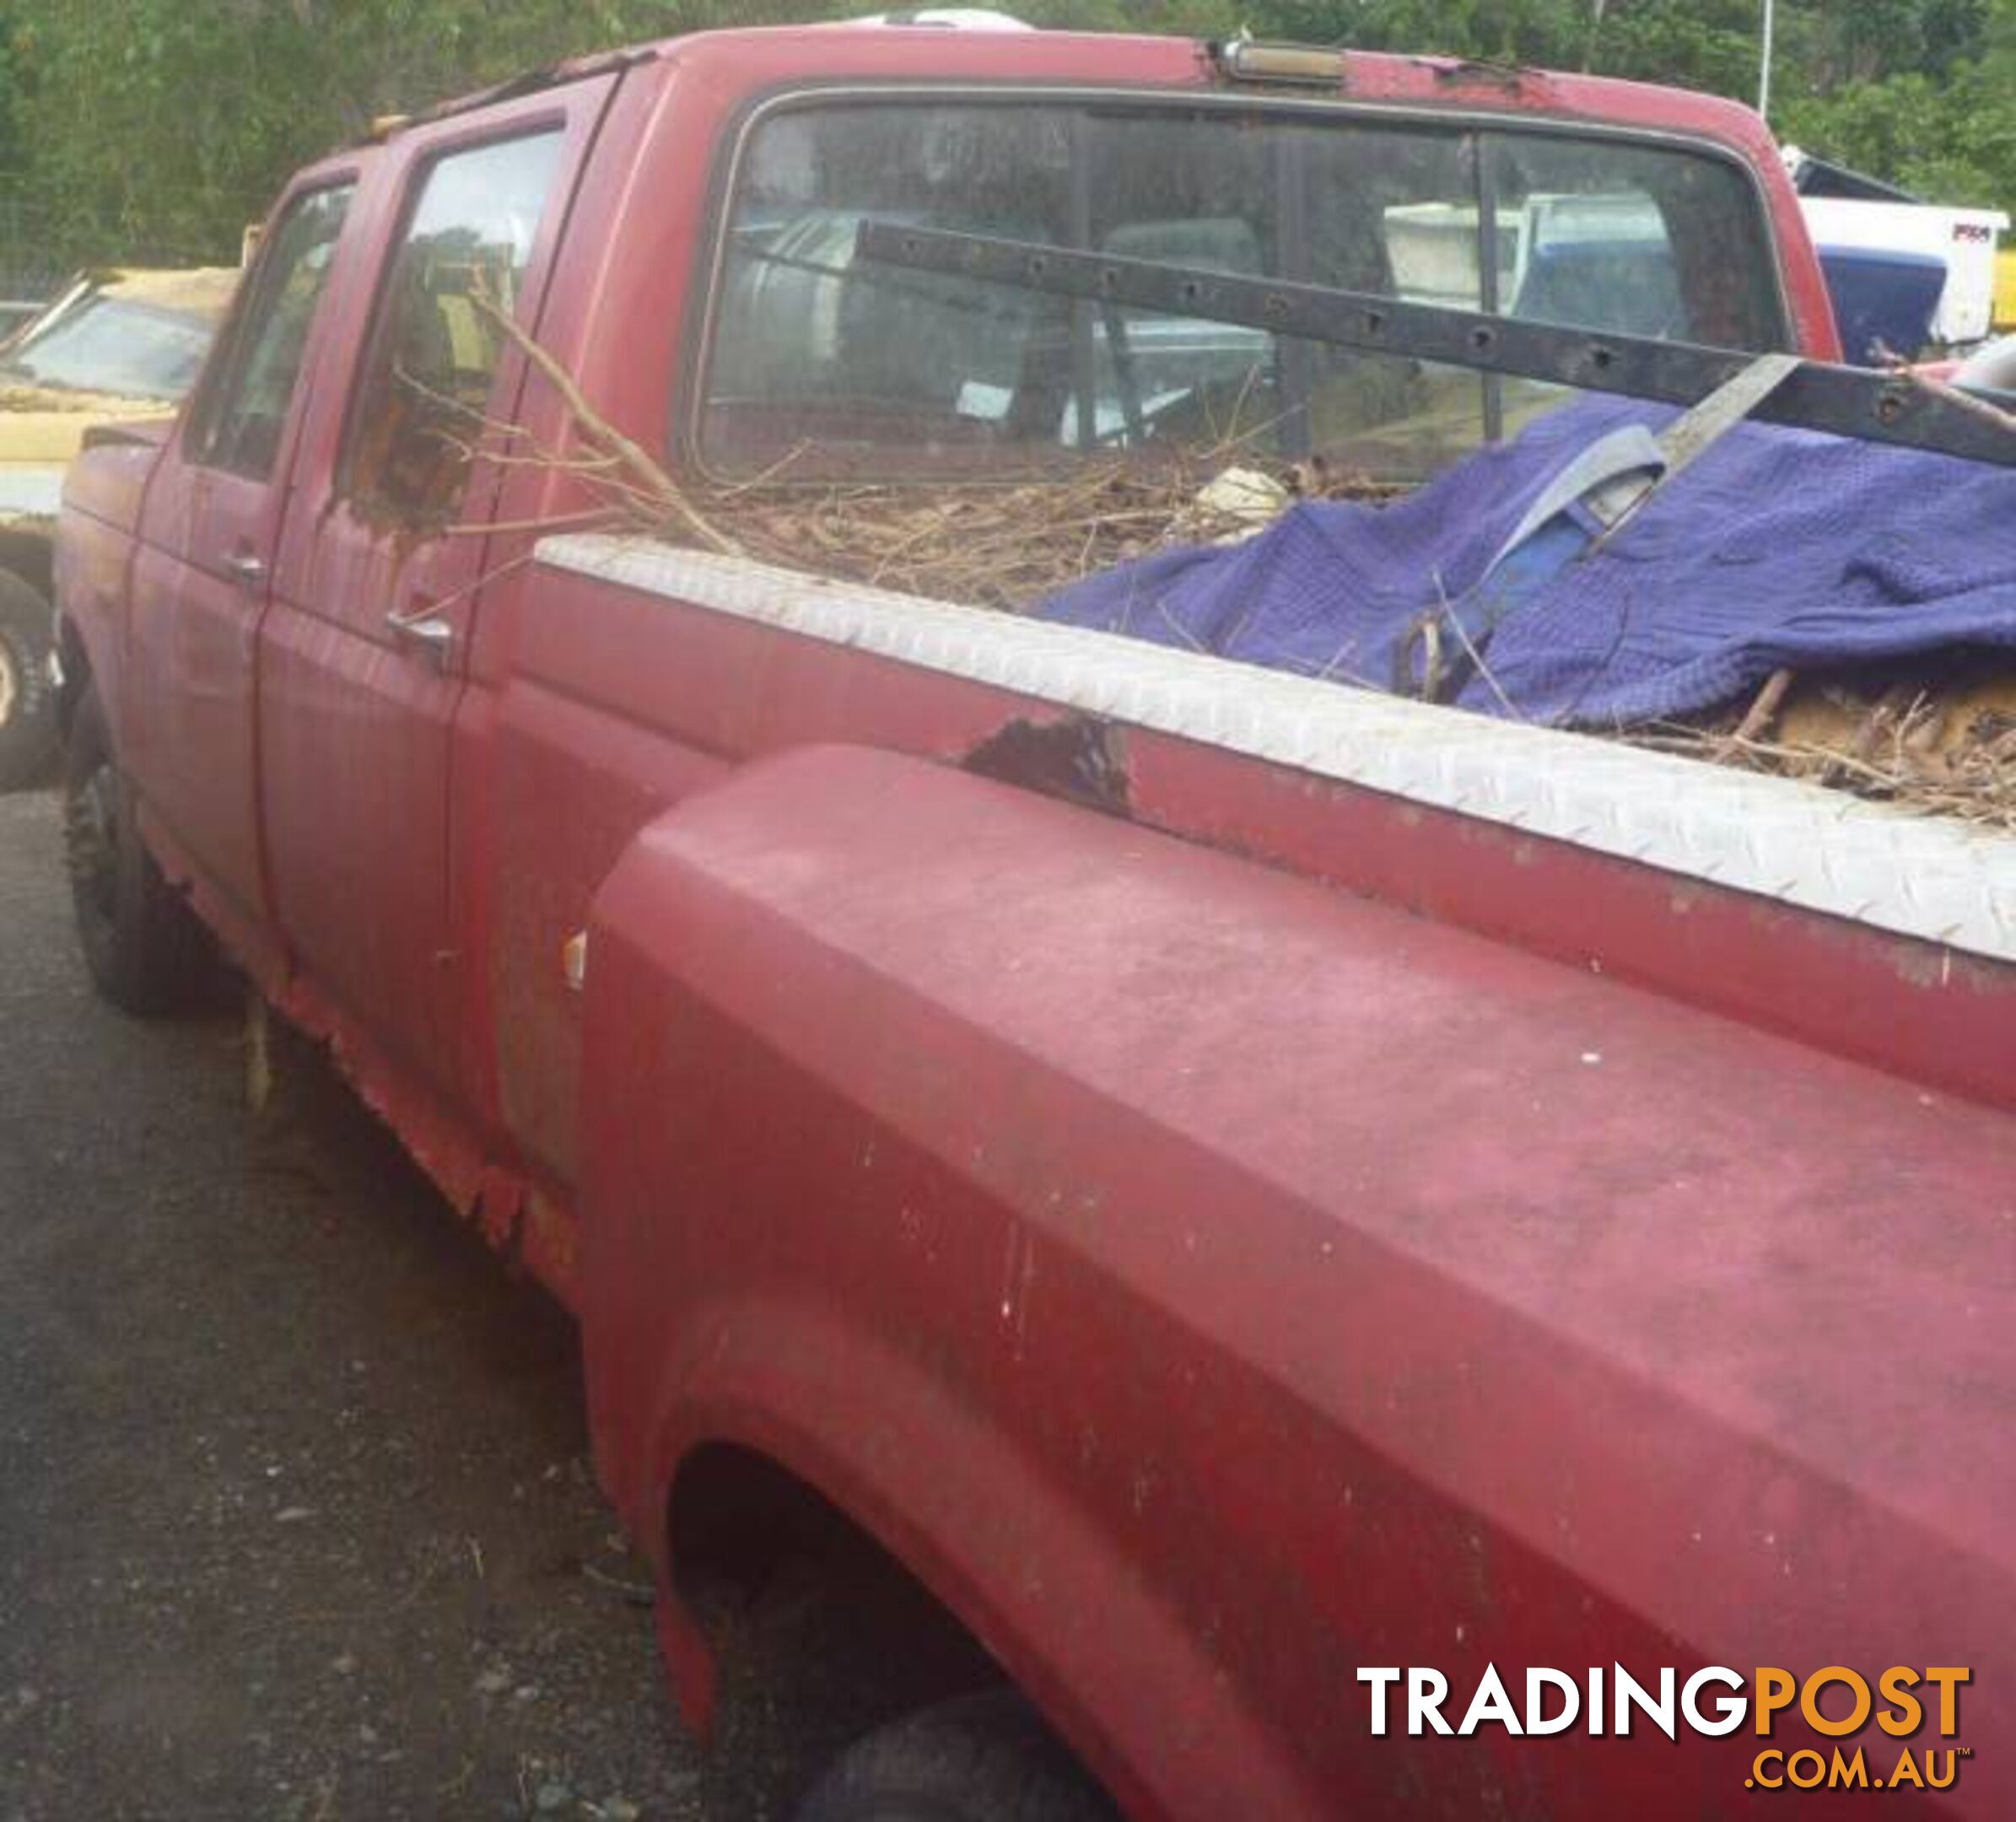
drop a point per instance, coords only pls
(1368, 1261)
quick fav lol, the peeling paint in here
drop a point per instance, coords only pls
(1081, 758)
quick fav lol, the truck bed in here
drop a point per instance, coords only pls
(1785, 891)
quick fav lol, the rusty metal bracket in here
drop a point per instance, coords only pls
(1848, 402)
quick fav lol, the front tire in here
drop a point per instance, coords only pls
(28, 735)
(146, 952)
(985, 1758)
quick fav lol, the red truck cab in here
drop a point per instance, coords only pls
(1232, 1184)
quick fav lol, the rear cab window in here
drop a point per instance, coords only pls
(825, 364)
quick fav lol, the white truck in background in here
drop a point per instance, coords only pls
(1859, 214)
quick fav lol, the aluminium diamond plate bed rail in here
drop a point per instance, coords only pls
(1939, 880)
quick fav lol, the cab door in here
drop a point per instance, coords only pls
(364, 656)
(200, 585)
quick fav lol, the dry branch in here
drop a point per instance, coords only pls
(1926, 755)
(651, 481)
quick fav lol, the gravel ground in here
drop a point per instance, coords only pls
(295, 1516)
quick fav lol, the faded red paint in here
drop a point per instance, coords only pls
(1233, 1282)
(1210, 1276)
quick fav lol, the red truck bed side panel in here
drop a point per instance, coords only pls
(1044, 1187)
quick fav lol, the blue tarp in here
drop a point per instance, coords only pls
(1778, 547)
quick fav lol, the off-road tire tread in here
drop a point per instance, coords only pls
(152, 956)
(29, 745)
(981, 1758)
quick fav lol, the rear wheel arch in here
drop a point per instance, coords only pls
(895, 1673)
(1012, 1553)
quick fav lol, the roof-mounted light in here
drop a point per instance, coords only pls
(947, 19)
(1247, 60)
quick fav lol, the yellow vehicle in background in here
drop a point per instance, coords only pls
(114, 347)
(2005, 289)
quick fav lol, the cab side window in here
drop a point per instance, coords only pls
(236, 422)
(425, 396)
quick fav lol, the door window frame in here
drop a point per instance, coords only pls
(217, 387)
(552, 113)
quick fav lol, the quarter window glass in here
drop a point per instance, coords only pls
(828, 362)
(434, 351)
(238, 423)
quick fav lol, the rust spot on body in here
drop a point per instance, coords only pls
(1081, 758)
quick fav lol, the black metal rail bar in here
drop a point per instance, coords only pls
(1848, 402)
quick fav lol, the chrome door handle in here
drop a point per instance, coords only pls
(426, 633)
(245, 570)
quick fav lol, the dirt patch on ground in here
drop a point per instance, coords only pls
(295, 1520)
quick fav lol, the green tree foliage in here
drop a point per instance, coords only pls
(159, 126)
(1921, 92)
(1936, 113)
(1954, 142)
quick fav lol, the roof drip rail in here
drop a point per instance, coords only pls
(1871, 406)
(512, 88)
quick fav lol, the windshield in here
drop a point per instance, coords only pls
(115, 346)
(831, 363)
